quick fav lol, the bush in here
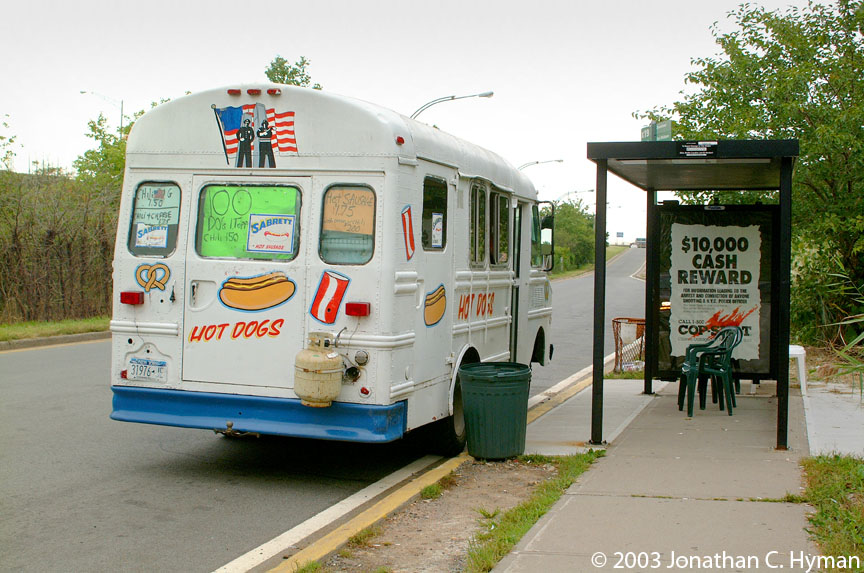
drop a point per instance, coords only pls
(56, 247)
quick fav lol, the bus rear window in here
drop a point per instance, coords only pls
(248, 222)
(155, 218)
(347, 225)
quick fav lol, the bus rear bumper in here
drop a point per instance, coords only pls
(272, 416)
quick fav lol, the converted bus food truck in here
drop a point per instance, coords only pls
(297, 263)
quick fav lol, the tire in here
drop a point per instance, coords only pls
(447, 436)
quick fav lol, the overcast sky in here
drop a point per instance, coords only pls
(563, 72)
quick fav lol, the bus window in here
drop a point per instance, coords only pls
(347, 225)
(536, 242)
(477, 231)
(434, 214)
(499, 225)
(155, 217)
(248, 222)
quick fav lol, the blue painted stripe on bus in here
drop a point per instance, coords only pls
(273, 416)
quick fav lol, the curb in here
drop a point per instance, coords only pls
(390, 502)
(26, 343)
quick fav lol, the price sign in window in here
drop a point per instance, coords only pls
(248, 222)
(347, 225)
(155, 218)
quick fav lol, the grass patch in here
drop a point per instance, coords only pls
(38, 329)
(311, 567)
(432, 491)
(835, 487)
(788, 498)
(363, 538)
(486, 514)
(435, 490)
(559, 273)
(487, 548)
(629, 375)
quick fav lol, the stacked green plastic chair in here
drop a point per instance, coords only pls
(714, 359)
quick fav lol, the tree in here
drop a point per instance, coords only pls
(799, 75)
(281, 72)
(103, 166)
(7, 147)
(574, 234)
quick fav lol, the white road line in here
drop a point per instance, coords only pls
(638, 272)
(303, 530)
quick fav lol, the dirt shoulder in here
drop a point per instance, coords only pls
(434, 535)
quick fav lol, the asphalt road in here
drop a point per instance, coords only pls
(573, 317)
(80, 492)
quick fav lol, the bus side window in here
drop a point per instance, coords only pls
(347, 225)
(499, 229)
(477, 225)
(536, 241)
(434, 214)
(155, 218)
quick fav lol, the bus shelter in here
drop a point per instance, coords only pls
(732, 259)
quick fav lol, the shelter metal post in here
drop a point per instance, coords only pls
(599, 303)
(651, 303)
(784, 291)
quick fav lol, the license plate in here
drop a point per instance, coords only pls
(149, 370)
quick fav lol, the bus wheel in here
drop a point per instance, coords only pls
(447, 436)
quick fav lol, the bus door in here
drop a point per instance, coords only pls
(517, 274)
(434, 322)
(245, 273)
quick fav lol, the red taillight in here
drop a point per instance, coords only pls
(124, 374)
(234, 92)
(132, 297)
(358, 308)
(253, 92)
(274, 91)
(400, 140)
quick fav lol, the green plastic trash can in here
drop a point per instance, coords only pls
(495, 402)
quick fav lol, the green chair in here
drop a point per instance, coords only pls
(712, 359)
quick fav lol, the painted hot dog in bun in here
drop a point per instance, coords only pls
(256, 293)
(436, 303)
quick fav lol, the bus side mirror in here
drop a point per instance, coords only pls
(547, 238)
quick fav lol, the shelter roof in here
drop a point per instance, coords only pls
(696, 165)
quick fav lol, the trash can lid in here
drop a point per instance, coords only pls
(496, 371)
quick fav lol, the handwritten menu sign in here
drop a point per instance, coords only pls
(349, 210)
(248, 222)
(157, 205)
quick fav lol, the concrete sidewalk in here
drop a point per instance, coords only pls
(835, 418)
(671, 488)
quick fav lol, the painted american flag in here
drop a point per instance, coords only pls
(283, 124)
(231, 119)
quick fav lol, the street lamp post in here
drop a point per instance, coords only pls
(111, 101)
(427, 105)
(530, 163)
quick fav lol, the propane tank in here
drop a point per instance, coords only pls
(317, 372)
